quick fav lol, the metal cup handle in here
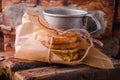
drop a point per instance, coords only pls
(98, 25)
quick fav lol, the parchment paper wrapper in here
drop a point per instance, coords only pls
(28, 48)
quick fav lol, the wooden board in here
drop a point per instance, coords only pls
(2, 73)
(69, 73)
(16, 69)
(12, 65)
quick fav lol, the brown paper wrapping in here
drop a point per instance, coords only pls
(29, 48)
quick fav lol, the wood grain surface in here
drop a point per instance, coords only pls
(16, 69)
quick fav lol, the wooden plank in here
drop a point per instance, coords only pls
(3, 75)
(17, 64)
(69, 73)
(28, 70)
(12, 65)
(40, 73)
(3, 70)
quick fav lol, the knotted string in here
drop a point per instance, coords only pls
(81, 32)
(49, 49)
(86, 36)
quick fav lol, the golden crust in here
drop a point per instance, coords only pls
(44, 36)
(63, 46)
(69, 57)
(65, 39)
(67, 51)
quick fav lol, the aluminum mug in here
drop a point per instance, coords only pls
(63, 18)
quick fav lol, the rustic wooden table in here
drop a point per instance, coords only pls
(16, 69)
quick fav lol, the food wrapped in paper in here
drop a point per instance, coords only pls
(37, 40)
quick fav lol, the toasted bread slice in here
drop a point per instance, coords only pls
(65, 38)
(67, 51)
(62, 46)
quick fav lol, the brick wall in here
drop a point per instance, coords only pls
(107, 6)
(0, 6)
(41, 2)
(79, 2)
(6, 3)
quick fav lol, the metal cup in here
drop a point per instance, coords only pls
(63, 18)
